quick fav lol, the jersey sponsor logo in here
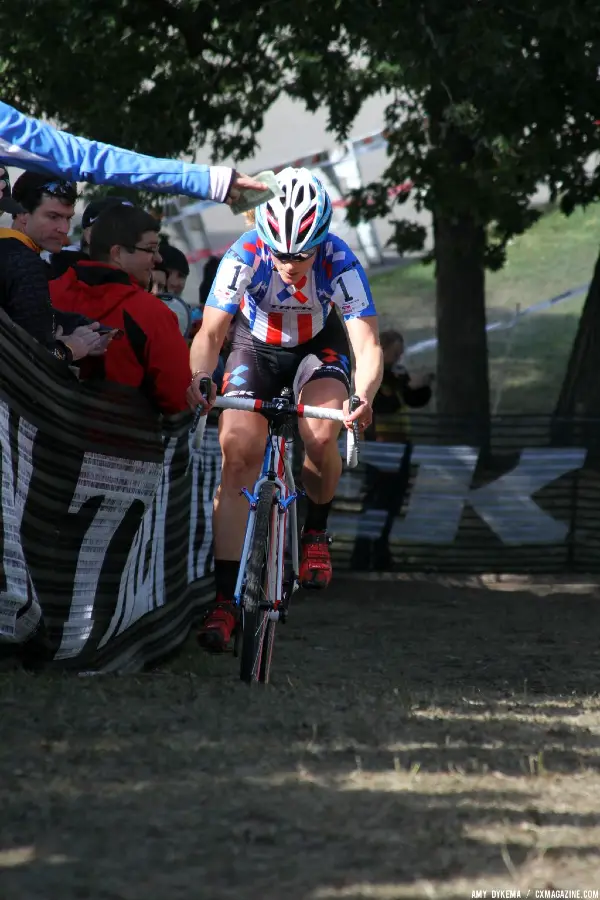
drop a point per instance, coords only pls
(349, 267)
(328, 371)
(331, 357)
(293, 295)
(235, 377)
(350, 309)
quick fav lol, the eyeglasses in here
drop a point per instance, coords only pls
(64, 189)
(294, 257)
(151, 250)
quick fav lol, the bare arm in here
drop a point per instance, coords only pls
(206, 346)
(364, 340)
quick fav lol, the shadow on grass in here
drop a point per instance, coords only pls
(528, 362)
(530, 365)
(373, 758)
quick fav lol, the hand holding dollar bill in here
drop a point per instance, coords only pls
(248, 198)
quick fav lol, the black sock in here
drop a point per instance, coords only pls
(316, 515)
(226, 573)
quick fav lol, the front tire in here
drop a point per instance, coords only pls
(258, 631)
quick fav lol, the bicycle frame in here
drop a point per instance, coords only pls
(276, 467)
(270, 593)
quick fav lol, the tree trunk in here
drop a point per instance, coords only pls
(462, 368)
(580, 391)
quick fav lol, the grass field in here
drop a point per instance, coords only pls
(556, 255)
(421, 739)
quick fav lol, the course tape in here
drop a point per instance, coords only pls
(377, 140)
(430, 343)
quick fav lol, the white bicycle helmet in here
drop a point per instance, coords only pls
(299, 218)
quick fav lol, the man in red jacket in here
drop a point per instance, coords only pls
(151, 354)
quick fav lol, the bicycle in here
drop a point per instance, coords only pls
(265, 584)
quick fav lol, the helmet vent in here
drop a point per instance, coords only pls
(322, 230)
(289, 225)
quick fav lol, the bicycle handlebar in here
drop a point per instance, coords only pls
(246, 404)
(302, 411)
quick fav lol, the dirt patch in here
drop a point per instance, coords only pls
(419, 739)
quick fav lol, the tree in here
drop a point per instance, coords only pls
(159, 76)
(580, 392)
(488, 100)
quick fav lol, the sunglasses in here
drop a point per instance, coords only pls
(64, 189)
(294, 257)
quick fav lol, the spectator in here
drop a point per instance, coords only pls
(152, 354)
(7, 203)
(158, 280)
(398, 391)
(42, 210)
(383, 489)
(176, 267)
(79, 251)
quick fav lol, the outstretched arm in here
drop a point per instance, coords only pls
(37, 146)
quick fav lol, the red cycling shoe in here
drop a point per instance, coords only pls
(218, 627)
(315, 567)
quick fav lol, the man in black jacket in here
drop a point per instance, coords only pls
(42, 209)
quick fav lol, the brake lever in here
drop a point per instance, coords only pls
(204, 387)
(355, 402)
(352, 445)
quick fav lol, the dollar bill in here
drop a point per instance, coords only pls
(248, 199)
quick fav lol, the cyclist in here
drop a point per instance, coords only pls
(282, 282)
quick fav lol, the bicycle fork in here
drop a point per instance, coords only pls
(279, 591)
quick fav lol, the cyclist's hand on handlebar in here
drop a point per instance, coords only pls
(196, 398)
(362, 415)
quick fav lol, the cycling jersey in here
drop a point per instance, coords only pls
(288, 315)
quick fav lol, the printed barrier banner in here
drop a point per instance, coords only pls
(105, 531)
(106, 540)
(526, 502)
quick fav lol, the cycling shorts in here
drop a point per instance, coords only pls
(260, 371)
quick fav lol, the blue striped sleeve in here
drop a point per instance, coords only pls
(37, 146)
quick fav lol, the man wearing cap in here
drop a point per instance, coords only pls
(79, 252)
(41, 209)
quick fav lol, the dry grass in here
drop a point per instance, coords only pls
(420, 739)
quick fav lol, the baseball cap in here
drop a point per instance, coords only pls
(7, 204)
(96, 207)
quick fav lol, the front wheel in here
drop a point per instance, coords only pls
(258, 631)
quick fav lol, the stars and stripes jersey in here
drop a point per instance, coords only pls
(288, 315)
